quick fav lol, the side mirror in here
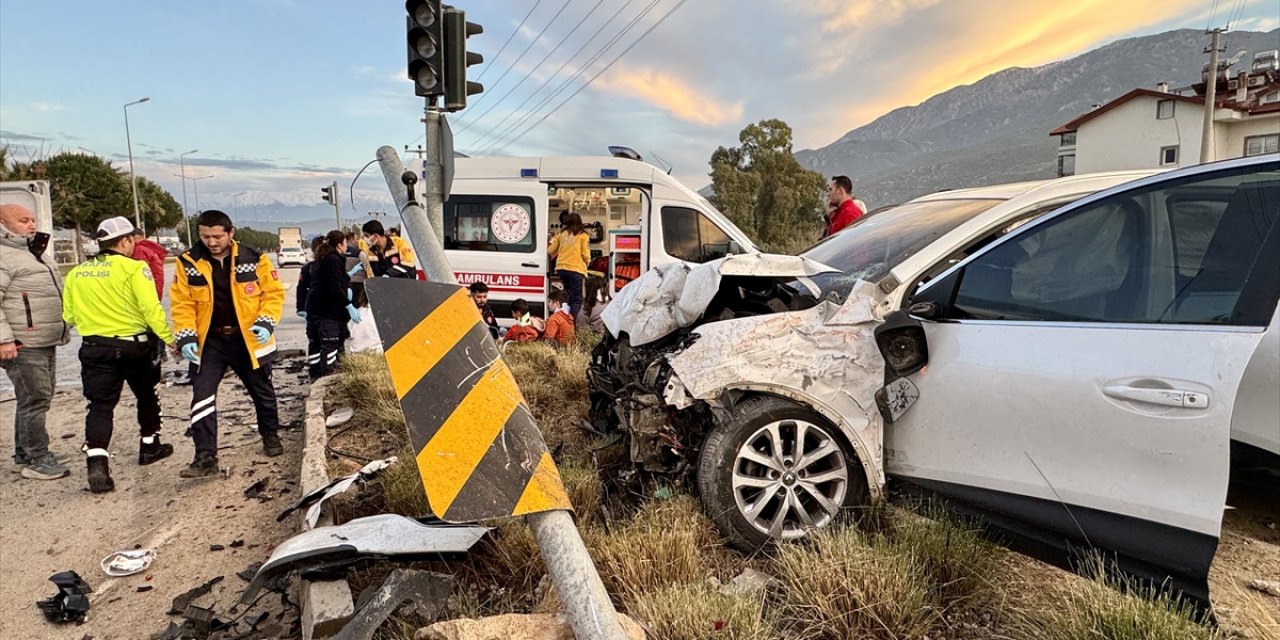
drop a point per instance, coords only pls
(925, 310)
(902, 343)
(735, 248)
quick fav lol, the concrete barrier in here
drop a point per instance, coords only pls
(327, 604)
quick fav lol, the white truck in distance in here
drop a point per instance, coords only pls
(291, 249)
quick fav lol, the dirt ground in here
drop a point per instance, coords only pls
(48, 527)
(1249, 549)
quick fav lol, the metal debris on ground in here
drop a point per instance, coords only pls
(312, 501)
(428, 590)
(70, 603)
(127, 563)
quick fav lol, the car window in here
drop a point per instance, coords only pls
(490, 223)
(874, 245)
(689, 235)
(1178, 252)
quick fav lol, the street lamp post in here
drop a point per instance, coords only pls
(196, 186)
(186, 214)
(133, 179)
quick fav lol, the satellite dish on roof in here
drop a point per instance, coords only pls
(625, 152)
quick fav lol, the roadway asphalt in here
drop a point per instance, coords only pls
(291, 334)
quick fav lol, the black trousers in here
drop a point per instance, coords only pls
(325, 340)
(106, 365)
(219, 353)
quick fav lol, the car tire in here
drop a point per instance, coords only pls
(756, 483)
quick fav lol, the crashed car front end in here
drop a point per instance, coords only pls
(687, 347)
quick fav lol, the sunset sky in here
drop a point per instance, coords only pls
(288, 95)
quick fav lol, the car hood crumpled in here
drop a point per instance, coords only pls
(671, 296)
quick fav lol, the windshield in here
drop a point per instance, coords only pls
(871, 248)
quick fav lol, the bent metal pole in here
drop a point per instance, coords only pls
(587, 604)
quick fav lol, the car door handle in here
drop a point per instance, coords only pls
(1163, 397)
(531, 265)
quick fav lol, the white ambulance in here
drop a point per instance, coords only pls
(502, 212)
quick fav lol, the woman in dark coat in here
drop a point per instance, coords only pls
(328, 306)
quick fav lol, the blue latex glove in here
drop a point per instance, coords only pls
(353, 312)
(302, 314)
(356, 269)
(261, 334)
(348, 295)
(189, 352)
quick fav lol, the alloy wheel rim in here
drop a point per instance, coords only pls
(788, 478)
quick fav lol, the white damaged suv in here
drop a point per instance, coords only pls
(1065, 359)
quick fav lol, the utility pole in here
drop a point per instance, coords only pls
(1210, 97)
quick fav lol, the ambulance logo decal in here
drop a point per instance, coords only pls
(510, 223)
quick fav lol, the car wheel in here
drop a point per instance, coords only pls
(776, 470)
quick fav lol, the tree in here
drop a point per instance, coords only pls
(85, 190)
(158, 207)
(264, 241)
(761, 187)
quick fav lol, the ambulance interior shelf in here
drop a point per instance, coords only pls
(624, 257)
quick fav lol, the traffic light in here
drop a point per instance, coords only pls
(457, 59)
(331, 193)
(426, 59)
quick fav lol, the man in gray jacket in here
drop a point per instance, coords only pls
(31, 328)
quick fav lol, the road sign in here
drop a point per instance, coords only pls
(479, 452)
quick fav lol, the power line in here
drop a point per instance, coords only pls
(513, 35)
(556, 73)
(487, 144)
(597, 75)
(1213, 11)
(536, 66)
(526, 50)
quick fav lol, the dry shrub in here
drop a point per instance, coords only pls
(666, 543)
(364, 384)
(957, 561)
(699, 610)
(554, 383)
(845, 584)
(1107, 608)
(1253, 616)
(584, 489)
(402, 490)
(509, 557)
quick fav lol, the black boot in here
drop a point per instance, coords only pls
(154, 452)
(100, 475)
(271, 445)
(203, 467)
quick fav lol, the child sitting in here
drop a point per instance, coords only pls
(560, 322)
(527, 327)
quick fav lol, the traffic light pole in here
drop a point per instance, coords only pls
(337, 214)
(587, 604)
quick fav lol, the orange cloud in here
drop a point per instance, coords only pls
(671, 93)
(1000, 35)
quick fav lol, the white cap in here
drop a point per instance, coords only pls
(113, 228)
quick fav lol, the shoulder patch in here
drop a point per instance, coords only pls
(146, 273)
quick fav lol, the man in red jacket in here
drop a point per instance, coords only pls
(842, 211)
(153, 254)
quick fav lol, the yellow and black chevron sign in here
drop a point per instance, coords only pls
(480, 453)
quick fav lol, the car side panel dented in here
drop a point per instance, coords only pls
(824, 357)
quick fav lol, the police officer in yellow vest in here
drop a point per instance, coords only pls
(111, 300)
(226, 303)
(389, 256)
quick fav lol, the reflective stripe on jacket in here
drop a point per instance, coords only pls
(397, 261)
(255, 288)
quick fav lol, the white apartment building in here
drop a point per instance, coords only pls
(1151, 129)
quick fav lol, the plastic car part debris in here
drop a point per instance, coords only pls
(256, 489)
(70, 603)
(384, 536)
(339, 417)
(183, 601)
(314, 499)
(425, 588)
(127, 563)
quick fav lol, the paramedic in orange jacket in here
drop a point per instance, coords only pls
(389, 256)
(226, 300)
